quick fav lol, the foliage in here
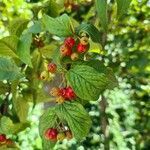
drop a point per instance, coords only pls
(32, 38)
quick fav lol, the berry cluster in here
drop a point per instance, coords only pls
(63, 94)
(53, 134)
(4, 140)
(72, 48)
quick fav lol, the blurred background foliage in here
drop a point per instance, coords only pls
(127, 52)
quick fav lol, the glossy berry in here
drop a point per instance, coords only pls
(2, 138)
(70, 42)
(65, 50)
(61, 136)
(67, 93)
(63, 92)
(74, 56)
(70, 93)
(55, 91)
(69, 135)
(52, 67)
(51, 134)
(81, 48)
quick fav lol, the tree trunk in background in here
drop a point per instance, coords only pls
(104, 122)
(103, 106)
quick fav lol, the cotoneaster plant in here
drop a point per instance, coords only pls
(36, 67)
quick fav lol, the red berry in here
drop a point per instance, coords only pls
(81, 48)
(52, 67)
(65, 50)
(2, 138)
(63, 92)
(70, 93)
(70, 42)
(51, 134)
(67, 93)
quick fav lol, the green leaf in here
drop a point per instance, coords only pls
(47, 120)
(71, 112)
(101, 7)
(81, 101)
(98, 66)
(48, 144)
(57, 57)
(8, 46)
(21, 107)
(52, 8)
(36, 28)
(8, 127)
(95, 48)
(23, 50)
(60, 26)
(77, 118)
(122, 7)
(14, 91)
(48, 50)
(20, 104)
(86, 82)
(91, 30)
(9, 70)
(36, 60)
(112, 81)
(17, 26)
